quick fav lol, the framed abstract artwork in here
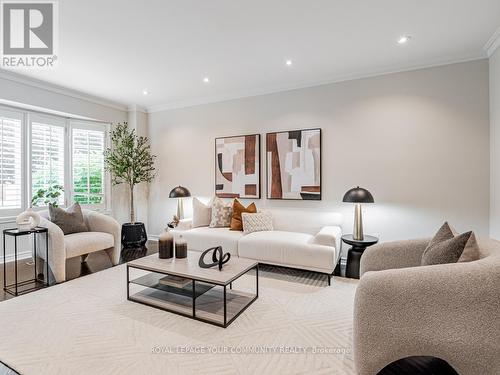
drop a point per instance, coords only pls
(294, 164)
(237, 166)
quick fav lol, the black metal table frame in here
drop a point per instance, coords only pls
(15, 286)
(193, 296)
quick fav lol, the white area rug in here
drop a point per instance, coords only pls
(87, 326)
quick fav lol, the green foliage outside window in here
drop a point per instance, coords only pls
(45, 196)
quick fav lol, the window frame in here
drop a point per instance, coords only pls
(27, 117)
(18, 115)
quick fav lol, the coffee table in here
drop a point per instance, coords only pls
(204, 294)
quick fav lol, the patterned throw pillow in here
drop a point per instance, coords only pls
(221, 213)
(238, 209)
(261, 221)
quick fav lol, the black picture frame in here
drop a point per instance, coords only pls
(320, 166)
(258, 157)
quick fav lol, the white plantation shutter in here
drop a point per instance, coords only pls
(10, 161)
(88, 145)
(47, 154)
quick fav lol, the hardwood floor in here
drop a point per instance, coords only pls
(97, 261)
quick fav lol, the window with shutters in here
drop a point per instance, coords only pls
(38, 151)
(88, 175)
(47, 154)
(11, 160)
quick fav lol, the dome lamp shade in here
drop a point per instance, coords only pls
(179, 192)
(358, 195)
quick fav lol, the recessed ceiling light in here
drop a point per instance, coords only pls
(145, 92)
(206, 80)
(404, 39)
(288, 62)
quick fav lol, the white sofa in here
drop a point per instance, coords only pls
(308, 240)
(104, 234)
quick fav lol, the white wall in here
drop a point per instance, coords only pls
(419, 141)
(495, 144)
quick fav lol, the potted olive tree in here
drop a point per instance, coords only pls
(130, 162)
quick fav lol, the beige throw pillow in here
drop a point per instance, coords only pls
(202, 213)
(221, 213)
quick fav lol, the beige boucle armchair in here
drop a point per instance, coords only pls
(104, 234)
(449, 311)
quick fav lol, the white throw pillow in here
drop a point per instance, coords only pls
(261, 221)
(221, 213)
(202, 213)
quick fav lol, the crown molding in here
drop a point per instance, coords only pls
(493, 43)
(33, 82)
(137, 108)
(277, 89)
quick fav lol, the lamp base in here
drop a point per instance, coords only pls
(358, 223)
(180, 209)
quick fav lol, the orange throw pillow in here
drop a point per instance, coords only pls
(238, 209)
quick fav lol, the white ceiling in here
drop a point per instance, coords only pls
(114, 49)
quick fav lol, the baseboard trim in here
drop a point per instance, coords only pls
(20, 255)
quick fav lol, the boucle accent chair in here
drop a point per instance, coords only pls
(449, 311)
(104, 234)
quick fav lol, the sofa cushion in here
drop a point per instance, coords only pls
(305, 221)
(288, 248)
(202, 238)
(238, 209)
(87, 242)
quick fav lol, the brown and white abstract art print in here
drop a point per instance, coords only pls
(237, 166)
(294, 164)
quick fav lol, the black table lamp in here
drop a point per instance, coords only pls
(358, 195)
(179, 192)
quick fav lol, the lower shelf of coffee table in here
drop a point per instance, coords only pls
(208, 307)
(153, 280)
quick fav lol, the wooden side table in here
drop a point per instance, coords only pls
(26, 286)
(355, 252)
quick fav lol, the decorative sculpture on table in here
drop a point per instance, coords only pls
(218, 258)
(27, 220)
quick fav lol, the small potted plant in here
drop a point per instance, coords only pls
(129, 160)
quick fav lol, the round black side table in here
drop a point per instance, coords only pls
(355, 252)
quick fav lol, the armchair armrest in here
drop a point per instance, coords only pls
(57, 250)
(397, 254)
(98, 222)
(450, 311)
(185, 224)
(328, 236)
